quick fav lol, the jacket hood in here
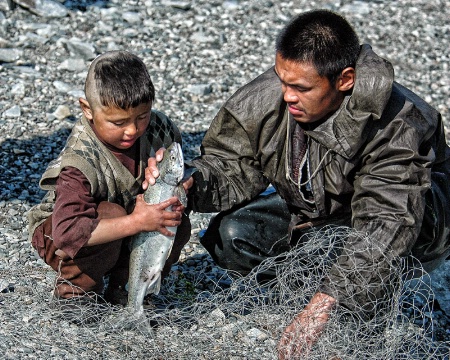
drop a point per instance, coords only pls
(347, 129)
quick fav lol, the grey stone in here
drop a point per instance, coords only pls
(6, 5)
(73, 64)
(3, 42)
(230, 4)
(10, 55)
(18, 89)
(44, 8)
(12, 112)
(80, 49)
(183, 5)
(36, 38)
(62, 87)
(132, 17)
(200, 89)
(201, 37)
(76, 93)
(256, 334)
(440, 280)
(62, 111)
(359, 7)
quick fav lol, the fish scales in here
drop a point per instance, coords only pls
(149, 250)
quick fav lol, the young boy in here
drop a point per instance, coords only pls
(94, 202)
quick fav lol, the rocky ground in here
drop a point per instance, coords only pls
(198, 53)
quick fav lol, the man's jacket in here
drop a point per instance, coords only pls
(381, 157)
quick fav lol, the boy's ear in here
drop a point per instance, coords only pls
(86, 108)
(346, 80)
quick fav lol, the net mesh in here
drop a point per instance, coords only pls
(210, 313)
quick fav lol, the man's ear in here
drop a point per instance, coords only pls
(86, 108)
(346, 80)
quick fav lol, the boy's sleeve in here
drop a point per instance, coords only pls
(75, 211)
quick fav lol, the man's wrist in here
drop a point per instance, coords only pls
(321, 301)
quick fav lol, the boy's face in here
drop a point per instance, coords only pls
(117, 127)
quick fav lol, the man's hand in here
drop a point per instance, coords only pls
(152, 172)
(299, 337)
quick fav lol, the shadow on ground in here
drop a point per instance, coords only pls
(23, 161)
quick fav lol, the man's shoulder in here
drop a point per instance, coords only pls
(261, 94)
(266, 84)
(405, 94)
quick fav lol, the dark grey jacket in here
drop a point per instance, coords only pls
(382, 156)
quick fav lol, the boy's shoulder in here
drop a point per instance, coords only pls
(161, 131)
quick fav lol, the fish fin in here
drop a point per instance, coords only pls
(155, 286)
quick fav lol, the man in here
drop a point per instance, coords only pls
(341, 143)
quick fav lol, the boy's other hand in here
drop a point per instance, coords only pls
(151, 171)
(155, 217)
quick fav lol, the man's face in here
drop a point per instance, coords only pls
(310, 97)
(117, 127)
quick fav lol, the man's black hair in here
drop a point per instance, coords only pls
(322, 38)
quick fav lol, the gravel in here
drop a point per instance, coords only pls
(198, 53)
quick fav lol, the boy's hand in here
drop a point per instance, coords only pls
(155, 217)
(151, 171)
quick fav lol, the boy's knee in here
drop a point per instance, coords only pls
(108, 210)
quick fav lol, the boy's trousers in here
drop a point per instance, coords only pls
(86, 271)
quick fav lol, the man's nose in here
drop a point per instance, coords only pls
(289, 94)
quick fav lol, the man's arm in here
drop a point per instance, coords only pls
(228, 172)
(387, 211)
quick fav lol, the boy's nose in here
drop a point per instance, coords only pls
(131, 129)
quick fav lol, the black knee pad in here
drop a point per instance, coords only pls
(240, 239)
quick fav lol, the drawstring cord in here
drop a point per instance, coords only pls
(289, 149)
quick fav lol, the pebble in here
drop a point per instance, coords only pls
(10, 55)
(12, 112)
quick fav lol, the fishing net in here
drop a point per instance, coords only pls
(204, 312)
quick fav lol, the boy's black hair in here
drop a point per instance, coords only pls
(119, 79)
(320, 37)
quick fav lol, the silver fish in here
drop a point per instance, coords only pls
(149, 250)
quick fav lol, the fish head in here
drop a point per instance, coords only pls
(171, 167)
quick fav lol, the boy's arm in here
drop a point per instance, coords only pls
(145, 217)
(76, 223)
(74, 215)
